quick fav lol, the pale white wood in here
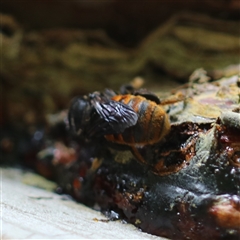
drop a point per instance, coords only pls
(28, 212)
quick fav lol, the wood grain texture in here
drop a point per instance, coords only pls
(28, 212)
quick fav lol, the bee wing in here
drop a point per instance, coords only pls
(116, 116)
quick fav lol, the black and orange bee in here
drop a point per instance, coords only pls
(134, 120)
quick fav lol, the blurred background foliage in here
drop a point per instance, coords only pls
(53, 50)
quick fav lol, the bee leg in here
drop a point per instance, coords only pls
(148, 95)
(137, 155)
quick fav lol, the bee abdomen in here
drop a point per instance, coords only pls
(151, 126)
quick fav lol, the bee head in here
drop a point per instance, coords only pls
(79, 115)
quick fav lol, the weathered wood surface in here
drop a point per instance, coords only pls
(28, 212)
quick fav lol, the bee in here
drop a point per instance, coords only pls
(151, 126)
(133, 120)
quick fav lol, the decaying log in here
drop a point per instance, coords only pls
(187, 187)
